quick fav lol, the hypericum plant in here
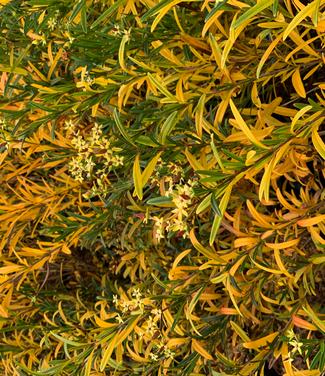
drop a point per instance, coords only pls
(162, 187)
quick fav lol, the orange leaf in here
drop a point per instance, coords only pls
(303, 324)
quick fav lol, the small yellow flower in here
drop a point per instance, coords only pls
(168, 353)
(119, 319)
(51, 23)
(153, 357)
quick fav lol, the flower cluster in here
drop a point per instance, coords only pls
(171, 173)
(180, 192)
(95, 158)
(162, 351)
(126, 306)
(138, 304)
(181, 195)
(296, 346)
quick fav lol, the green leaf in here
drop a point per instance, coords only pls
(9, 69)
(155, 82)
(168, 126)
(83, 18)
(215, 206)
(219, 5)
(160, 201)
(216, 154)
(121, 128)
(145, 140)
(76, 9)
(204, 204)
(68, 341)
(108, 12)
(218, 218)
(253, 11)
(154, 10)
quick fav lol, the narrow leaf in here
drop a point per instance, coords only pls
(137, 178)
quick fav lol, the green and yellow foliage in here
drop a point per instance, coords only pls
(162, 187)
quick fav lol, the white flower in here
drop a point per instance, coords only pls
(115, 300)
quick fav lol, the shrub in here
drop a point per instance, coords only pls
(162, 187)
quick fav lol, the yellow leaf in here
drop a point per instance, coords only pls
(180, 257)
(315, 234)
(305, 12)
(222, 108)
(266, 54)
(321, 26)
(55, 61)
(239, 331)
(195, 164)
(108, 352)
(162, 12)
(3, 312)
(166, 53)
(298, 84)
(158, 85)
(125, 333)
(272, 271)
(317, 141)
(201, 350)
(231, 291)
(303, 46)
(135, 356)
(261, 342)
(170, 320)
(40, 75)
(206, 252)
(89, 363)
(199, 115)
(284, 245)
(103, 324)
(298, 115)
(149, 169)
(244, 242)
(250, 367)
(237, 264)
(43, 88)
(137, 178)
(174, 342)
(280, 263)
(12, 268)
(65, 249)
(266, 179)
(316, 320)
(121, 50)
(234, 34)
(218, 218)
(243, 126)
(219, 279)
(262, 220)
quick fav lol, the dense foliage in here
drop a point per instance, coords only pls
(162, 187)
